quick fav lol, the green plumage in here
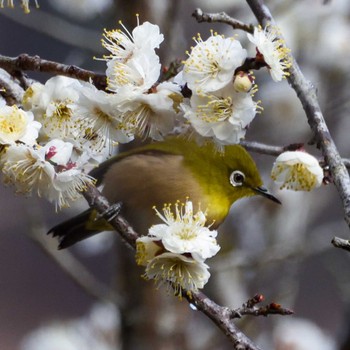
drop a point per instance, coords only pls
(166, 172)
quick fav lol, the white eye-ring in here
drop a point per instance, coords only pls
(237, 178)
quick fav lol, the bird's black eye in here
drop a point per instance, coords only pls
(237, 178)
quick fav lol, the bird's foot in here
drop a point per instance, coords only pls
(110, 213)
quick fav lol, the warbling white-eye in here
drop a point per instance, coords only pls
(165, 172)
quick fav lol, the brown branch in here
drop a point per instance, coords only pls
(100, 203)
(9, 89)
(222, 317)
(25, 62)
(251, 63)
(221, 17)
(307, 95)
(171, 71)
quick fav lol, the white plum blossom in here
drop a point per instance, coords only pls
(150, 115)
(47, 171)
(32, 96)
(52, 106)
(174, 252)
(125, 45)
(212, 63)
(185, 232)
(133, 61)
(17, 125)
(99, 120)
(183, 272)
(146, 249)
(138, 74)
(273, 50)
(58, 152)
(68, 185)
(223, 115)
(26, 169)
(70, 179)
(297, 170)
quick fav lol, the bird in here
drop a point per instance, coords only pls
(176, 169)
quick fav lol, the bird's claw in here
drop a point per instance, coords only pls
(111, 212)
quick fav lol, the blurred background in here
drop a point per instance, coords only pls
(92, 296)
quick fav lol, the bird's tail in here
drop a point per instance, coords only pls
(73, 230)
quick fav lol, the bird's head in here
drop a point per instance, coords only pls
(240, 174)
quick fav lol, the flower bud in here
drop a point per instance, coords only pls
(242, 82)
(298, 171)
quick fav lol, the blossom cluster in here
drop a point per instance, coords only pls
(42, 151)
(217, 108)
(65, 126)
(175, 252)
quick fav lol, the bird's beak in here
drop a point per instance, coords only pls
(265, 192)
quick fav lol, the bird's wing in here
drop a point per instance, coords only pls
(144, 181)
(99, 172)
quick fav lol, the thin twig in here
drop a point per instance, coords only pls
(221, 17)
(222, 317)
(25, 62)
(263, 148)
(250, 308)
